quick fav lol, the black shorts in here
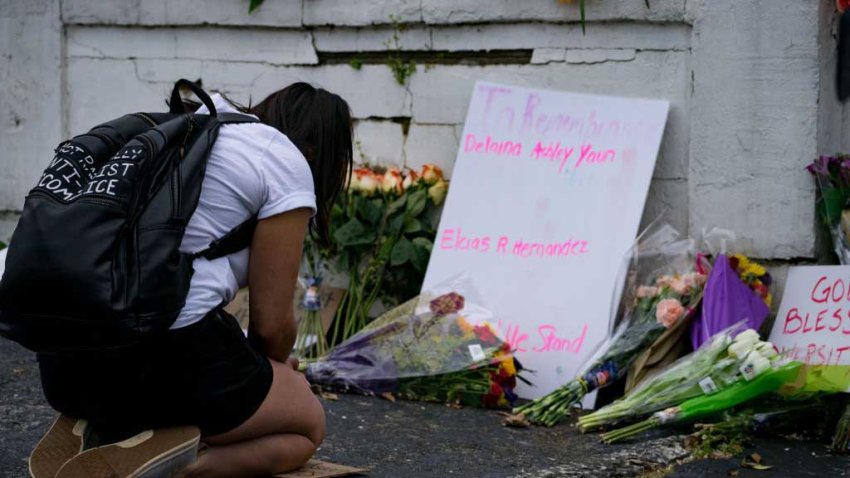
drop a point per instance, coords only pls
(205, 374)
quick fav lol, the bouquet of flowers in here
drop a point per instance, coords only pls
(383, 231)
(754, 275)
(443, 351)
(832, 176)
(724, 373)
(701, 406)
(717, 365)
(655, 307)
(737, 287)
(310, 341)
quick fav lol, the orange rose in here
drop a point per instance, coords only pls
(409, 180)
(668, 312)
(392, 181)
(431, 173)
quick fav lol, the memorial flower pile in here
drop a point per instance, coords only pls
(439, 352)
(383, 230)
(658, 306)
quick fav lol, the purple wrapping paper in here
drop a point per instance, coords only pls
(727, 301)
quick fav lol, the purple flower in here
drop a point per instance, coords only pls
(820, 166)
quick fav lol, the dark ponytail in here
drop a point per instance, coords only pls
(319, 124)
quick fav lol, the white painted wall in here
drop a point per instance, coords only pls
(750, 83)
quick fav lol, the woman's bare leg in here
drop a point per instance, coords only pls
(281, 435)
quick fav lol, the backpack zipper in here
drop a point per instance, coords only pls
(147, 118)
(177, 177)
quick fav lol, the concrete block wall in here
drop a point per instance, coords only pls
(750, 83)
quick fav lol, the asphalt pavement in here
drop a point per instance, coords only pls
(412, 439)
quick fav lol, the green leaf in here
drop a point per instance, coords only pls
(403, 251)
(412, 226)
(420, 258)
(354, 233)
(2, 245)
(371, 210)
(255, 4)
(417, 202)
(396, 224)
(424, 243)
(396, 205)
(583, 18)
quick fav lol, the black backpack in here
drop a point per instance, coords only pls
(94, 262)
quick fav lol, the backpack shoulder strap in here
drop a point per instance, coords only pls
(235, 118)
(237, 239)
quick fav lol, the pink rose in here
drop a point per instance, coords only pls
(668, 312)
(647, 291)
(679, 286)
(695, 279)
(663, 281)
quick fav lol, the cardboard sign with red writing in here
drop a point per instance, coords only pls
(546, 198)
(813, 324)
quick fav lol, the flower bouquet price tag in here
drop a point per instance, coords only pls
(477, 352)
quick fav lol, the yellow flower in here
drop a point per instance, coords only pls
(438, 191)
(755, 269)
(768, 299)
(743, 262)
(508, 366)
(465, 326)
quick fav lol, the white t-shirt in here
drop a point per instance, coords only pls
(252, 169)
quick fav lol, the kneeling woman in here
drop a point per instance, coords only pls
(256, 414)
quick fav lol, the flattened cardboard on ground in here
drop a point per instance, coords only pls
(330, 297)
(322, 469)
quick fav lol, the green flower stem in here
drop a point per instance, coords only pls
(550, 409)
(630, 431)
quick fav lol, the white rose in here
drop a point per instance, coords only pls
(740, 349)
(754, 365)
(369, 183)
(749, 336)
(766, 349)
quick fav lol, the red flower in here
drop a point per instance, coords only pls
(495, 390)
(447, 304)
(485, 334)
(733, 263)
(842, 5)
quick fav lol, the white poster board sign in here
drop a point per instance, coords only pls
(813, 323)
(546, 197)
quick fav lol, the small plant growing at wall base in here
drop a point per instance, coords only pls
(255, 4)
(581, 8)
